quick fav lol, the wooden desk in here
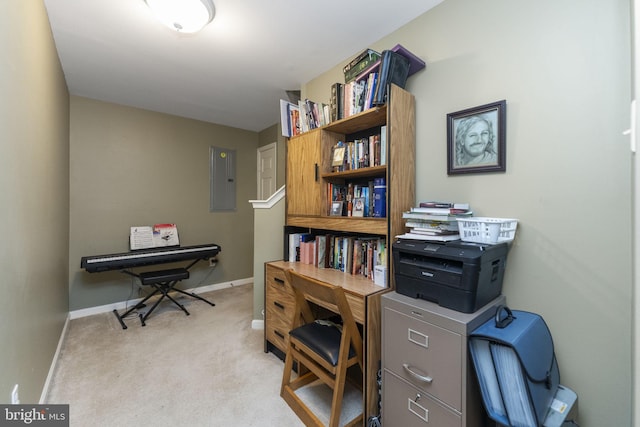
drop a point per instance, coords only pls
(364, 299)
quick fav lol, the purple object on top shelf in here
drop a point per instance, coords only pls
(415, 64)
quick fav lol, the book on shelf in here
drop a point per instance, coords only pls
(374, 149)
(351, 254)
(321, 251)
(394, 68)
(415, 63)
(364, 55)
(357, 95)
(442, 211)
(383, 145)
(432, 225)
(373, 72)
(425, 237)
(360, 153)
(437, 204)
(365, 63)
(359, 193)
(354, 98)
(432, 231)
(335, 102)
(370, 86)
(307, 250)
(435, 217)
(294, 246)
(311, 111)
(289, 118)
(306, 116)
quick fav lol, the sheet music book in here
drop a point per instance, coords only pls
(160, 235)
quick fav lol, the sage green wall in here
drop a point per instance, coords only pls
(563, 67)
(268, 223)
(34, 199)
(135, 167)
(268, 246)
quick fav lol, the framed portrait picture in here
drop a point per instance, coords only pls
(338, 156)
(476, 139)
(336, 208)
(358, 206)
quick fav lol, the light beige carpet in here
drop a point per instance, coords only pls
(206, 369)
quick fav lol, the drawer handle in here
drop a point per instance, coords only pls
(418, 410)
(278, 333)
(416, 375)
(280, 281)
(277, 304)
(418, 338)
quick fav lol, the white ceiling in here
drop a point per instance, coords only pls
(233, 72)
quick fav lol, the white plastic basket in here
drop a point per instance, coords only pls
(487, 230)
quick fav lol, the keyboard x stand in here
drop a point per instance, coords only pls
(163, 282)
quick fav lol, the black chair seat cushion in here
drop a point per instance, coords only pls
(170, 275)
(322, 338)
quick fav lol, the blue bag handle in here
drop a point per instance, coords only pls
(503, 321)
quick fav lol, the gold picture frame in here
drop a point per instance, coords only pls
(338, 156)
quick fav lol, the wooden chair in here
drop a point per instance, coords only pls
(322, 351)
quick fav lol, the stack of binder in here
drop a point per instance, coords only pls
(517, 370)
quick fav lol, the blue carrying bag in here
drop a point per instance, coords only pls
(515, 363)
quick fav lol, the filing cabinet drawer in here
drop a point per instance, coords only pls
(410, 407)
(426, 355)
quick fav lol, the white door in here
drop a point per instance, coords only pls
(266, 171)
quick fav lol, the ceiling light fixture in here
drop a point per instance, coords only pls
(183, 16)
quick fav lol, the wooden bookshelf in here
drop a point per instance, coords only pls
(309, 171)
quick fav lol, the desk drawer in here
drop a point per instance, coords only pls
(409, 407)
(275, 280)
(277, 327)
(279, 306)
(426, 355)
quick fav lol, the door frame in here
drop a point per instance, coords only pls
(272, 146)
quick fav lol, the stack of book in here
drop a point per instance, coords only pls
(366, 78)
(435, 221)
(303, 116)
(360, 63)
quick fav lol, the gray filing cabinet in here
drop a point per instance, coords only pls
(427, 374)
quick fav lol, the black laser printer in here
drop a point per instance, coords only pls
(458, 275)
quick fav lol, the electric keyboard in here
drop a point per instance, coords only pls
(138, 258)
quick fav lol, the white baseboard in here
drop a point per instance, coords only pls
(257, 324)
(54, 362)
(76, 314)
